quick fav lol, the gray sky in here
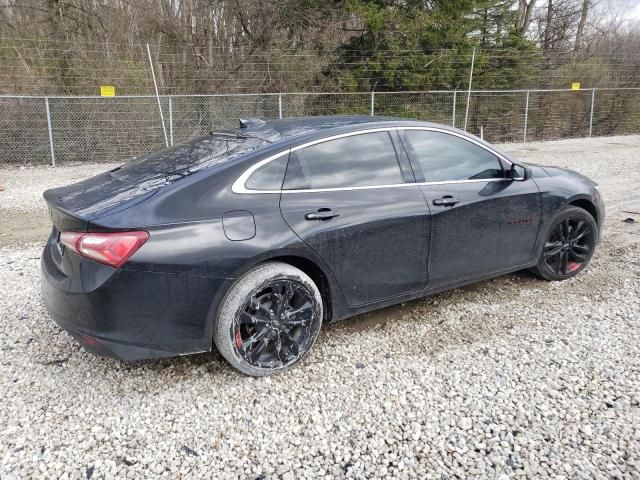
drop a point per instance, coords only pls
(630, 9)
(634, 10)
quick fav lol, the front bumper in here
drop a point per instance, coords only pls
(129, 314)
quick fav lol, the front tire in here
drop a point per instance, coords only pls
(269, 319)
(569, 245)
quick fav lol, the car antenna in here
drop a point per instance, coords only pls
(250, 122)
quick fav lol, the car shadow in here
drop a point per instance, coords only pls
(427, 309)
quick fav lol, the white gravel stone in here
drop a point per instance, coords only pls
(509, 378)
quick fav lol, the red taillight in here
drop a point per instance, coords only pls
(112, 249)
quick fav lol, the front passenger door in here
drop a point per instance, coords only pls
(481, 221)
(347, 200)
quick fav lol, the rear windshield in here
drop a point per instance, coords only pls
(175, 162)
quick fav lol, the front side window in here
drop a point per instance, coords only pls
(355, 161)
(443, 157)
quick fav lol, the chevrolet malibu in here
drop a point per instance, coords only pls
(251, 239)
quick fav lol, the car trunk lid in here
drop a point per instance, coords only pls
(137, 180)
(77, 204)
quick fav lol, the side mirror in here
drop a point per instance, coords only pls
(517, 172)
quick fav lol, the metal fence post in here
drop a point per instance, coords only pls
(593, 98)
(373, 96)
(53, 155)
(170, 120)
(453, 115)
(526, 118)
(280, 105)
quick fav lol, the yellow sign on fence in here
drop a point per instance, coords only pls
(107, 91)
(575, 86)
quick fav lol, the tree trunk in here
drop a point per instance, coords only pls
(483, 34)
(547, 30)
(583, 20)
(525, 11)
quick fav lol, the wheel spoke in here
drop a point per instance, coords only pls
(578, 256)
(246, 318)
(579, 226)
(258, 307)
(283, 347)
(556, 256)
(296, 317)
(565, 230)
(282, 294)
(305, 306)
(277, 346)
(558, 231)
(254, 349)
(301, 322)
(290, 343)
(254, 352)
(581, 249)
(564, 261)
(578, 235)
(275, 302)
(551, 249)
(253, 339)
(287, 295)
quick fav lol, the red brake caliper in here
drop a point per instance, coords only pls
(573, 266)
(238, 339)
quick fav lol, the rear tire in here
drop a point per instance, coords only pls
(569, 245)
(269, 319)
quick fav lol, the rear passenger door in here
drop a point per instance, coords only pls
(347, 199)
(482, 222)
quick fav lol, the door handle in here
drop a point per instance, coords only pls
(321, 214)
(446, 201)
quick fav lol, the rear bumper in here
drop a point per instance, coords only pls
(130, 314)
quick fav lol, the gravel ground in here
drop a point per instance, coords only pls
(24, 185)
(510, 378)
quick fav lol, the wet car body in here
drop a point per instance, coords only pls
(388, 245)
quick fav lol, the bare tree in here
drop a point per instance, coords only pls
(525, 11)
(583, 20)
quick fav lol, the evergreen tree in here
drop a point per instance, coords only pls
(419, 45)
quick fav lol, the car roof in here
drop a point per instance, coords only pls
(287, 128)
(289, 132)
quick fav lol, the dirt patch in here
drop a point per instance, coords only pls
(27, 227)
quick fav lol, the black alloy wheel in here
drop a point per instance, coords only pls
(275, 324)
(569, 245)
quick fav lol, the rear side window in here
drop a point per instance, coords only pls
(443, 157)
(269, 176)
(362, 160)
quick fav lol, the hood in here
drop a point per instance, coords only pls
(559, 171)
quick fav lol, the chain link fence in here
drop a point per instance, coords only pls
(64, 130)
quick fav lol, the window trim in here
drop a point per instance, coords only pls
(239, 185)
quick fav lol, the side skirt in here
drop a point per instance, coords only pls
(360, 309)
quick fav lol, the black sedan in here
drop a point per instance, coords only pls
(252, 238)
